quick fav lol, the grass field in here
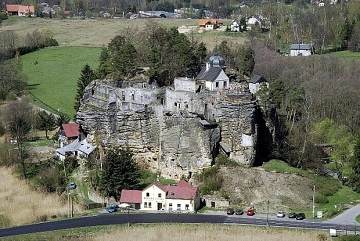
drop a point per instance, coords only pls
(99, 32)
(175, 232)
(53, 80)
(347, 55)
(24, 205)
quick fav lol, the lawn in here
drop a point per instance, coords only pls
(347, 56)
(53, 79)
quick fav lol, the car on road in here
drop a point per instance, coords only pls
(239, 212)
(230, 211)
(292, 215)
(280, 214)
(112, 208)
(300, 216)
(250, 212)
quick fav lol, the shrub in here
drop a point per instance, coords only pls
(321, 199)
(331, 213)
(42, 218)
(322, 237)
(222, 160)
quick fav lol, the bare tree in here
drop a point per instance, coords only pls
(18, 117)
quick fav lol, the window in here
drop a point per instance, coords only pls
(224, 84)
(170, 206)
(186, 206)
(145, 204)
(159, 195)
(179, 206)
(217, 84)
(149, 204)
(148, 194)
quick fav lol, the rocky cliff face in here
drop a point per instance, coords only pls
(175, 131)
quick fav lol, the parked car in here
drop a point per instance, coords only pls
(280, 214)
(300, 216)
(230, 211)
(239, 212)
(112, 208)
(250, 212)
(292, 215)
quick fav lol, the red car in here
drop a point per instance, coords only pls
(250, 212)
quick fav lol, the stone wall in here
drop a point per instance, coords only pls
(161, 125)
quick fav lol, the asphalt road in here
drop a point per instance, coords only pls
(133, 218)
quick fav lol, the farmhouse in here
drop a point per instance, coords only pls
(179, 197)
(300, 50)
(19, 10)
(235, 26)
(209, 24)
(68, 133)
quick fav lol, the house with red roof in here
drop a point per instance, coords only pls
(20, 10)
(179, 197)
(68, 133)
(131, 197)
(71, 142)
(209, 24)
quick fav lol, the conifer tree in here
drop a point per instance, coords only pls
(87, 75)
(120, 171)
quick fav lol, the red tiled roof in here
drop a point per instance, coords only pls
(26, 9)
(130, 196)
(203, 22)
(20, 8)
(12, 8)
(176, 192)
(71, 129)
(157, 184)
(183, 183)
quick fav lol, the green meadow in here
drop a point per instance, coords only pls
(347, 56)
(53, 73)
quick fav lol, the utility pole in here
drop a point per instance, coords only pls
(267, 216)
(313, 202)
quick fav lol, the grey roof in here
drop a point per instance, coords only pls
(209, 75)
(82, 146)
(300, 47)
(217, 61)
(257, 79)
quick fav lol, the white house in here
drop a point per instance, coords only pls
(153, 197)
(252, 21)
(179, 197)
(213, 75)
(255, 83)
(300, 50)
(77, 148)
(235, 26)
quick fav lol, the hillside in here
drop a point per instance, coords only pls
(283, 191)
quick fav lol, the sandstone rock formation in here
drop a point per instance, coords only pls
(176, 130)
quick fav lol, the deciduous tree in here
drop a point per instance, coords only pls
(18, 117)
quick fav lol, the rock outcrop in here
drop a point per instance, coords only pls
(175, 130)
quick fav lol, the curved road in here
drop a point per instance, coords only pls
(345, 221)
